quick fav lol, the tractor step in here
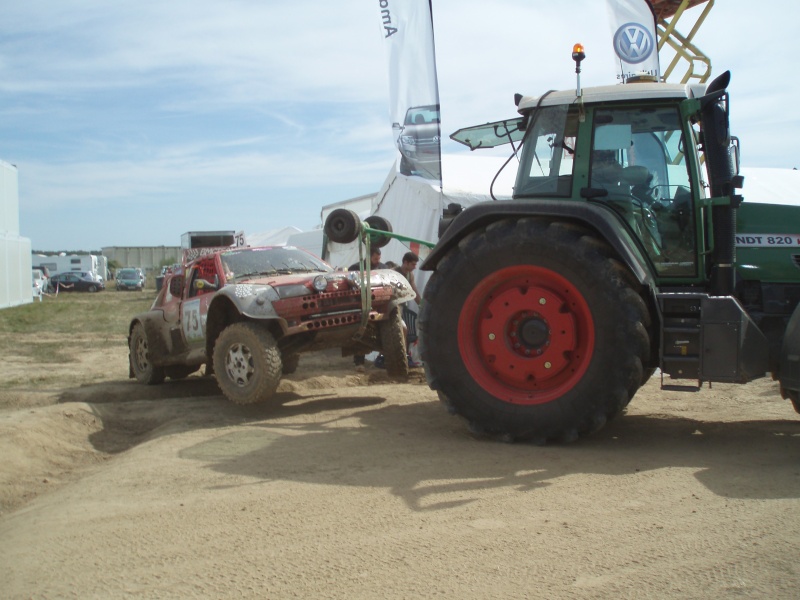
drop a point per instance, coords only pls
(670, 387)
(709, 338)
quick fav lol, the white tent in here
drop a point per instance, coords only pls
(273, 237)
(15, 250)
(771, 186)
(413, 205)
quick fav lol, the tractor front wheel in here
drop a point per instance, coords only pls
(531, 332)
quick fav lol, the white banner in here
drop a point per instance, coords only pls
(407, 29)
(633, 26)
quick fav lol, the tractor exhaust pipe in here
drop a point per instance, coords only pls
(723, 180)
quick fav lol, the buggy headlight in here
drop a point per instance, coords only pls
(320, 283)
(292, 291)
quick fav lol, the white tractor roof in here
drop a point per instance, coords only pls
(606, 93)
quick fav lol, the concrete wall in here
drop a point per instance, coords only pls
(148, 258)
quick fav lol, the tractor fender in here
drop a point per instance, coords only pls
(789, 373)
(592, 215)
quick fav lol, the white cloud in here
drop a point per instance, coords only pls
(192, 107)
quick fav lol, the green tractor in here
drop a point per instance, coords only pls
(617, 256)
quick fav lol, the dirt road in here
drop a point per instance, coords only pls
(359, 488)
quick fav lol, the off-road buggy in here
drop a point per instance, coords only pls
(248, 313)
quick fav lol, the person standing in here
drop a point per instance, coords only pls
(374, 261)
(406, 269)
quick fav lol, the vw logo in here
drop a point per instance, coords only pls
(633, 43)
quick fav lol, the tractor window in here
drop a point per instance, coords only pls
(638, 158)
(548, 153)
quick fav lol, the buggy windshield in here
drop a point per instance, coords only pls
(249, 262)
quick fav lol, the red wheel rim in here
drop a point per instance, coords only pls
(526, 335)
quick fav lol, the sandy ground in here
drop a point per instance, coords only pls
(355, 487)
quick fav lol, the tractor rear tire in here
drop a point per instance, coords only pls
(530, 330)
(247, 363)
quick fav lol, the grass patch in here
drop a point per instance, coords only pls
(44, 345)
(76, 313)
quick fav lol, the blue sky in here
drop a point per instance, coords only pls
(132, 123)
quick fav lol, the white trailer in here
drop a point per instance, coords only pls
(86, 263)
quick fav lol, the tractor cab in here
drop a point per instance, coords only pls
(634, 150)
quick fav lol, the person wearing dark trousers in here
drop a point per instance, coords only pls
(374, 263)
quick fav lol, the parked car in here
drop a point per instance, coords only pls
(418, 142)
(130, 279)
(248, 314)
(39, 283)
(75, 282)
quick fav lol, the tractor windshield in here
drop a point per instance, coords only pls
(639, 165)
(548, 153)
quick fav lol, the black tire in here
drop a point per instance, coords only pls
(247, 363)
(290, 364)
(91, 289)
(342, 226)
(530, 331)
(393, 345)
(377, 240)
(138, 354)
